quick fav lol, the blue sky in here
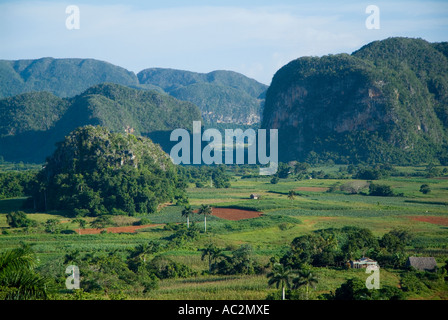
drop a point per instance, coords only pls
(255, 38)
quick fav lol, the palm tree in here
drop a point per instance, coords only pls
(72, 256)
(291, 194)
(82, 224)
(205, 210)
(280, 276)
(143, 250)
(18, 281)
(187, 212)
(305, 278)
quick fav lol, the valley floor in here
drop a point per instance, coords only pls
(281, 220)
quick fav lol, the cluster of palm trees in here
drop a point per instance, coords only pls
(286, 278)
(204, 209)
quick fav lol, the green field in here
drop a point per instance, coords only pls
(283, 219)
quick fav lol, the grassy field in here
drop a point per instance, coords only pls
(283, 219)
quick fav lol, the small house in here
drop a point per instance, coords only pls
(363, 263)
(422, 263)
(255, 196)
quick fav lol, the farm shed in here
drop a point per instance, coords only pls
(255, 196)
(422, 263)
(363, 263)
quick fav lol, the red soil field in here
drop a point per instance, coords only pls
(431, 219)
(235, 214)
(128, 229)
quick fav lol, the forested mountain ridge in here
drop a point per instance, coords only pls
(62, 77)
(33, 122)
(386, 102)
(222, 96)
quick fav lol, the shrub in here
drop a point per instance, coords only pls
(142, 221)
(51, 225)
(380, 190)
(275, 180)
(411, 283)
(425, 189)
(18, 219)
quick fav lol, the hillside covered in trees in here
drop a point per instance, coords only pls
(94, 172)
(222, 96)
(386, 102)
(31, 123)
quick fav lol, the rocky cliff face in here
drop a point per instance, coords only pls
(348, 108)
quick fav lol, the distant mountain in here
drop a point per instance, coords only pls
(222, 96)
(62, 77)
(31, 123)
(387, 102)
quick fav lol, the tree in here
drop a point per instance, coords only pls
(425, 189)
(51, 225)
(301, 168)
(275, 180)
(396, 240)
(72, 257)
(101, 222)
(187, 212)
(18, 219)
(205, 210)
(212, 252)
(142, 251)
(352, 289)
(283, 170)
(305, 278)
(280, 277)
(18, 280)
(380, 190)
(291, 195)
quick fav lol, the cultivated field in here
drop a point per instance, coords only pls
(268, 225)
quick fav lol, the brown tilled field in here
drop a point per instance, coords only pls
(431, 219)
(235, 214)
(128, 229)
